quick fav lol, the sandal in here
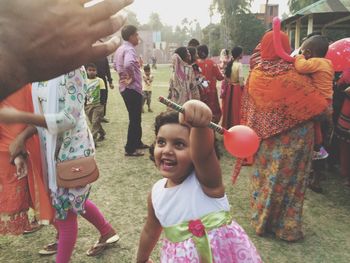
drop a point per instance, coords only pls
(98, 248)
(49, 249)
(33, 227)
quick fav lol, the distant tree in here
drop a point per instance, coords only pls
(212, 38)
(197, 32)
(181, 34)
(168, 34)
(154, 22)
(248, 32)
(296, 5)
(229, 10)
(132, 19)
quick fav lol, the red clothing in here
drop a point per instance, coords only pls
(17, 195)
(231, 106)
(209, 95)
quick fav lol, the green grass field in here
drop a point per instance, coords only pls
(125, 182)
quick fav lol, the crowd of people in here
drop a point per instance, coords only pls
(291, 106)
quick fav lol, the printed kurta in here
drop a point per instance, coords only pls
(74, 139)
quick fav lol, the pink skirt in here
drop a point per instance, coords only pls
(229, 244)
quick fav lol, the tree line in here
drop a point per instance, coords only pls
(238, 26)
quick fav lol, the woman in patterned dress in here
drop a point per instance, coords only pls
(182, 85)
(59, 110)
(279, 105)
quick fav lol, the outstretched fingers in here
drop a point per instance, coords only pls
(108, 26)
(100, 50)
(105, 9)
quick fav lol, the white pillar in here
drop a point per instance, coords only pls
(310, 24)
(297, 33)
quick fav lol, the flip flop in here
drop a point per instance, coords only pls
(32, 228)
(98, 248)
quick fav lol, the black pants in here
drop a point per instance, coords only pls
(133, 103)
(104, 96)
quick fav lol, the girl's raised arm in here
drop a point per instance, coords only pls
(207, 166)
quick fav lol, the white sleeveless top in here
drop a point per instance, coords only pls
(184, 202)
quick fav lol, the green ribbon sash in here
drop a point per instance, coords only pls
(182, 232)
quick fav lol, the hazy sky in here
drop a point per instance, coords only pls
(172, 12)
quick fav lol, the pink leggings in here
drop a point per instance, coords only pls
(68, 230)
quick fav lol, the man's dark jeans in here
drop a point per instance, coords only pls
(133, 103)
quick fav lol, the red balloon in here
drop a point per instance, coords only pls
(339, 54)
(241, 141)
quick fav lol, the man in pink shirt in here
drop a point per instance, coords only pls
(126, 63)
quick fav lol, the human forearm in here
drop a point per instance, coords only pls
(147, 243)
(32, 119)
(17, 146)
(200, 150)
(305, 66)
(11, 115)
(27, 133)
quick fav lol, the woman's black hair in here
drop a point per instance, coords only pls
(236, 53)
(193, 52)
(193, 43)
(182, 52)
(203, 51)
(170, 117)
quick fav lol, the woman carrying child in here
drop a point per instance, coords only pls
(190, 203)
(279, 105)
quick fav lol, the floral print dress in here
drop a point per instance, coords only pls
(74, 139)
(278, 182)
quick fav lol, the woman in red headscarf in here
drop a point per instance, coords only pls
(279, 105)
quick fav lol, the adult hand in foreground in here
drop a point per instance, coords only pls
(42, 39)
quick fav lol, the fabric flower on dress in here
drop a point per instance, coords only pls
(196, 228)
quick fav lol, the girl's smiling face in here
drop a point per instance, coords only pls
(172, 153)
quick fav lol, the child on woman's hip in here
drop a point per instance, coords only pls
(189, 203)
(312, 61)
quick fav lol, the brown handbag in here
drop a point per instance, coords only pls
(77, 172)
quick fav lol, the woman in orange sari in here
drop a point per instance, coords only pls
(279, 105)
(17, 193)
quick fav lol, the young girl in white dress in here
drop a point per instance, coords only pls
(189, 203)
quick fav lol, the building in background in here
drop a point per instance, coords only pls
(267, 17)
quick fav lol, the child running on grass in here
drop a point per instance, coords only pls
(147, 87)
(190, 203)
(94, 109)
